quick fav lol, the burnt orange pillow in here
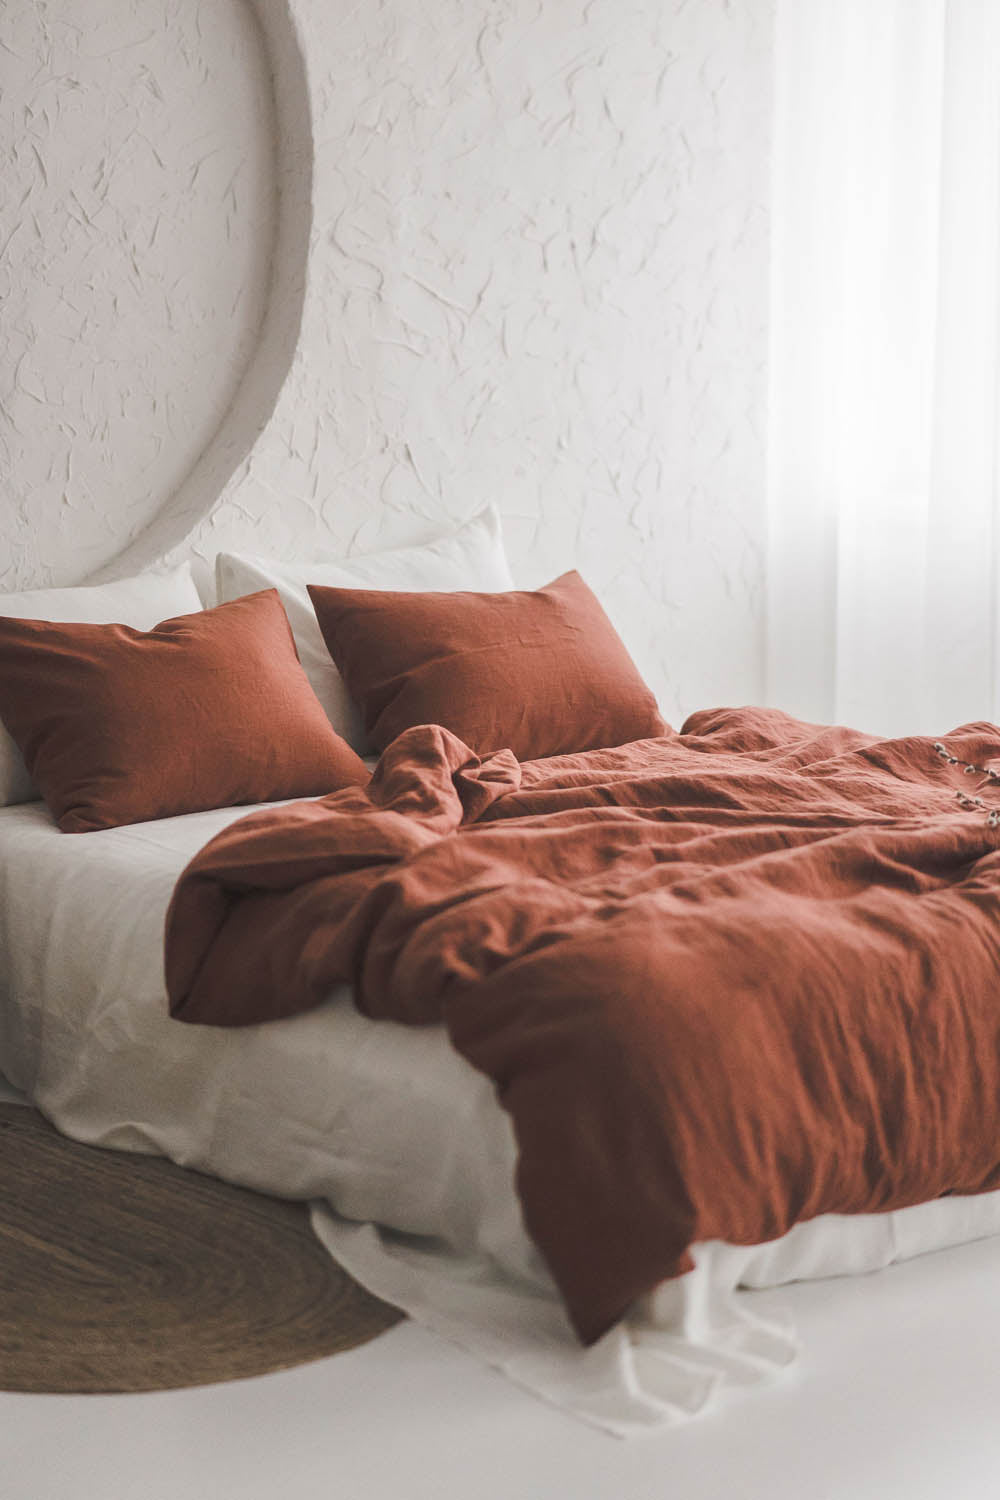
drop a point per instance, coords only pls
(540, 673)
(207, 710)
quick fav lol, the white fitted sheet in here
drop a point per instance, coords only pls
(326, 1105)
(399, 1143)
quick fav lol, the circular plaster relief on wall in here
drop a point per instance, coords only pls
(137, 230)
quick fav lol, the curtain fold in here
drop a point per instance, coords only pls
(885, 364)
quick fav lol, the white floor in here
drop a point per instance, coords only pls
(410, 1418)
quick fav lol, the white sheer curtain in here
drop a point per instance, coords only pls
(884, 412)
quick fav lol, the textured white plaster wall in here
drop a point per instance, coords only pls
(137, 218)
(535, 273)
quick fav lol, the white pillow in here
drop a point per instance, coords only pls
(470, 558)
(141, 602)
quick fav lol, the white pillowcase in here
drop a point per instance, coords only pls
(141, 602)
(471, 558)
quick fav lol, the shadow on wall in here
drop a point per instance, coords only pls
(269, 363)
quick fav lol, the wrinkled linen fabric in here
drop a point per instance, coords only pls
(141, 602)
(542, 671)
(205, 710)
(724, 981)
(471, 557)
(400, 1145)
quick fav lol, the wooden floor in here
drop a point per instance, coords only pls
(900, 1405)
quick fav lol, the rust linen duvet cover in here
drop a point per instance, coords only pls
(724, 980)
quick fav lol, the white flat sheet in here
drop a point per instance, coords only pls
(380, 1125)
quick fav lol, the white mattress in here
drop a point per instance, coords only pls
(328, 1105)
(379, 1125)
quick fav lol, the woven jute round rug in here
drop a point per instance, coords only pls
(121, 1272)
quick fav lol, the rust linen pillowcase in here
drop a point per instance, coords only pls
(538, 672)
(206, 710)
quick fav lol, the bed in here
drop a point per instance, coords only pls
(378, 1124)
(402, 1147)
(384, 1123)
